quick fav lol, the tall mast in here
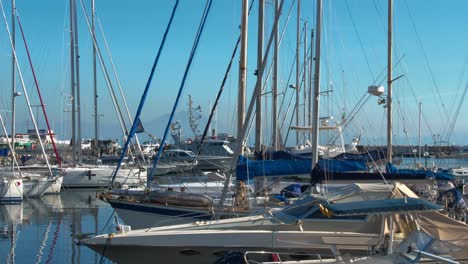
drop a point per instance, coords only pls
(310, 64)
(389, 81)
(298, 85)
(258, 105)
(304, 79)
(419, 121)
(96, 123)
(13, 81)
(275, 85)
(72, 81)
(242, 73)
(315, 116)
(78, 93)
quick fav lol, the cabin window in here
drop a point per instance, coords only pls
(189, 252)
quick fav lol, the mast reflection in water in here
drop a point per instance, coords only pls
(45, 230)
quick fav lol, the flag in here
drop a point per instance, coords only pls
(139, 127)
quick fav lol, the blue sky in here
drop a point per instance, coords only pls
(429, 40)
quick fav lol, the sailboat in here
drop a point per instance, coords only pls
(90, 175)
(33, 184)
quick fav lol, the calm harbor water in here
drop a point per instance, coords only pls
(45, 230)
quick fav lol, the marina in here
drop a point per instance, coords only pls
(48, 229)
(283, 131)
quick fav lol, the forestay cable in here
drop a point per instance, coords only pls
(182, 85)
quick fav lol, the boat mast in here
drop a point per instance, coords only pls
(304, 78)
(72, 82)
(96, 123)
(275, 85)
(77, 76)
(242, 74)
(298, 44)
(243, 130)
(258, 105)
(13, 81)
(311, 66)
(389, 81)
(315, 117)
(419, 121)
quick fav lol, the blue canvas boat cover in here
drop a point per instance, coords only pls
(342, 165)
(385, 206)
(439, 176)
(249, 169)
(370, 156)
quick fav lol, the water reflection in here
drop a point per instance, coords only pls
(45, 230)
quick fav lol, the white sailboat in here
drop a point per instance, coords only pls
(33, 184)
(86, 175)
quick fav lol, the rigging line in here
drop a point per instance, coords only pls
(402, 117)
(279, 45)
(110, 88)
(284, 96)
(352, 115)
(290, 121)
(181, 88)
(220, 91)
(426, 60)
(145, 92)
(380, 15)
(410, 84)
(290, 101)
(459, 85)
(359, 38)
(106, 77)
(270, 67)
(381, 75)
(457, 112)
(25, 91)
(15, 161)
(38, 92)
(120, 86)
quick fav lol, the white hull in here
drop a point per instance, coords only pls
(36, 187)
(11, 190)
(55, 186)
(100, 177)
(208, 246)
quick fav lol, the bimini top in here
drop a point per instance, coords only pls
(385, 206)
